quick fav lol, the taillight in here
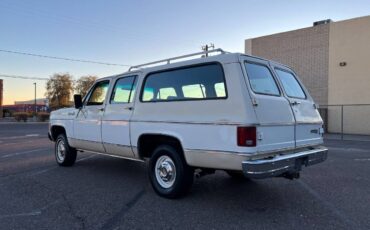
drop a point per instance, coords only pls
(246, 136)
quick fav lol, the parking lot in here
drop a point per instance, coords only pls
(100, 192)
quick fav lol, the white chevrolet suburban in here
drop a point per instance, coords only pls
(246, 115)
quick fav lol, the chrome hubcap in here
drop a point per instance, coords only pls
(165, 171)
(61, 151)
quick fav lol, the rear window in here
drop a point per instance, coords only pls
(191, 83)
(290, 84)
(261, 79)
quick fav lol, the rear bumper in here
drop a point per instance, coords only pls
(278, 165)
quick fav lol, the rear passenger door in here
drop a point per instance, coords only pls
(117, 115)
(276, 120)
(308, 129)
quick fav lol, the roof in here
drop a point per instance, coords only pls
(224, 57)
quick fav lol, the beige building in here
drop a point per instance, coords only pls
(333, 61)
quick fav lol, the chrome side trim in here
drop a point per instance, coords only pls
(276, 124)
(309, 123)
(111, 155)
(119, 150)
(107, 143)
(196, 123)
(86, 144)
(218, 123)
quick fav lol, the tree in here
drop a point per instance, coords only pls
(83, 84)
(59, 89)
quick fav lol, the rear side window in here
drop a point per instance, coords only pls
(290, 84)
(124, 90)
(191, 83)
(261, 79)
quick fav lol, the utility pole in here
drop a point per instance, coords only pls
(207, 47)
(35, 99)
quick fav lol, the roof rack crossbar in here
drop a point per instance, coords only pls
(168, 60)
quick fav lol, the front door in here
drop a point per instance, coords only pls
(116, 120)
(87, 126)
(308, 128)
(275, 117)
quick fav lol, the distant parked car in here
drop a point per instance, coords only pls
(246, 115)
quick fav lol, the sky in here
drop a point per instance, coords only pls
(137, 31)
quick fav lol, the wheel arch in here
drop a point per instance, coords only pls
(147, 142)
(55, 130)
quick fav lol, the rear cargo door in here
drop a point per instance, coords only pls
(275, 129)
(308, 128)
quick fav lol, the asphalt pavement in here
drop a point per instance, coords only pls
(101, 192)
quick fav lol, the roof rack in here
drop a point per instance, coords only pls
(168, 60)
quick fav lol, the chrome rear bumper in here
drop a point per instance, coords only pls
(278, 165)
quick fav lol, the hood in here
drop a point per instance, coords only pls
(65, 113)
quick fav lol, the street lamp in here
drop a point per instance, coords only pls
(35, 99)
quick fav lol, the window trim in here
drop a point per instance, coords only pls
(299, 83)
(272, 75)
(180, 68)
(132, 87)
(91, 91)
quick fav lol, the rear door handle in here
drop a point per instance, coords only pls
(295, 102)
(101, 109)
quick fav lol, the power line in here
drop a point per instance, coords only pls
(23, 77)
(62, 58)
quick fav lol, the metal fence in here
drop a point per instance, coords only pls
(346, 121)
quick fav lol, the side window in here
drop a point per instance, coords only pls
(290, 84)
(261, 79)
(189, 83)
(124, 90)
(98, 93)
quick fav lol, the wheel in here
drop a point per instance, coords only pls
(64, 154)
(238, 175)
(169, 174)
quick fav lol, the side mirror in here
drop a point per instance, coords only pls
(78, 101)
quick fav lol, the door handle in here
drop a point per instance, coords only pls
(295, 102)
(101, 109)
(129, 108)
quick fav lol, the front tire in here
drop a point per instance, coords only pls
(169, 174)
(65, 155)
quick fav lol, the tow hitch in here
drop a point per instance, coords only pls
(291, 175)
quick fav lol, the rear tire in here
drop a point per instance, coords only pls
(169, 174)
(65, 155)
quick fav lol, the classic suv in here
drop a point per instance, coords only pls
(246, 115)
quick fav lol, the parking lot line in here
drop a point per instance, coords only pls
(22, 153)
